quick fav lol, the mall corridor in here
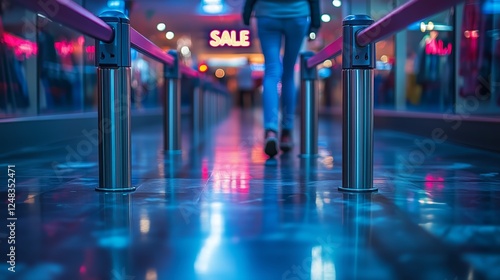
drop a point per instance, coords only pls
(145, 140)
(222, 210)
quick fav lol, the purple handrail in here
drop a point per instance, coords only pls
(333, 49)
(401, 17)
(139, 42)
(142, 44)
(78, 18)
(189, 71)
(393, 22)
(72, 15)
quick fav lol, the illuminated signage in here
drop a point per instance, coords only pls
(436, 47)
(230, 38)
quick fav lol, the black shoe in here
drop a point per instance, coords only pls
(271, 143)
(286, 142)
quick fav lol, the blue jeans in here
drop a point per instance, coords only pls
(270, 32)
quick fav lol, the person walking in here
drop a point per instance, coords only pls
(246, 84)
(287, 21)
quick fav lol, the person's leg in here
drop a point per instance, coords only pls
(295, 31)
(241, 97)
(269, 32)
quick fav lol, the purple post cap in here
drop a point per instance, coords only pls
(114, 16)
(357, 20)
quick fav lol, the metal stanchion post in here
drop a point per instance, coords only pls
(195, 112)
(357, 103)
(309, 108)
(113, 74)
(211, 110)
(219, 107)
(206, 99)
(172, 107)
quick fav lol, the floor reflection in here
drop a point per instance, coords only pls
(222, 210)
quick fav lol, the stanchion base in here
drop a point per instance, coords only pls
(128, 189)
(308, 155)
(342, 189)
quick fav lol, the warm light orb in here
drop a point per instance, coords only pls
(185, 51)
(161, 26)
(336, 3)
(203, 68)
(169, 35)
(430, 25)
(423, 27)
(219, 73)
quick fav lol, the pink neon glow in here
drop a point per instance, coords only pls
(64, 48)
(81, 40)
(83, 269)
(436, 47)
(434, 182)
(90, 50)
(22, 48)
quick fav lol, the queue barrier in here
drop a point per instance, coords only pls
(114, 40)
(357, 46)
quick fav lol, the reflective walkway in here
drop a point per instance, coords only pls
(225, 212)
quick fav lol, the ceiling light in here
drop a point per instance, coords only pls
(336, 3)
(211, 2)
(219, 73)
(213, 8)
(169, 35)
(116, 4)
(161, 26)
(325, 17)
(185, 51)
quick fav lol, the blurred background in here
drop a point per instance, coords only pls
(440, 64)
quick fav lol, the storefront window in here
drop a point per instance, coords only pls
(18, 60)
(146, 81)
(61, 51)
(430, 64)
(479, 62)
(384, 82)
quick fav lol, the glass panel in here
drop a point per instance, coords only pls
(18, 61)
(89, 72)
(146, 82)
(329, 72)
(479, 72)
(384, 83)
(61, 53)
(430, 64)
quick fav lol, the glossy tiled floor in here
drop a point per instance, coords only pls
(222, 211)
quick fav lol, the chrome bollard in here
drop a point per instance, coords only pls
(113, 74)
(196, 113)
(206, 99)
(357, 104)
(172, 107)
(309, 108)
(211, 115)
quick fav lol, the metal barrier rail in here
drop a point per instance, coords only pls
(357, 46)
(401, 17)
(114, 39)
(331, 50)
(76, 17)
(142, 44)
